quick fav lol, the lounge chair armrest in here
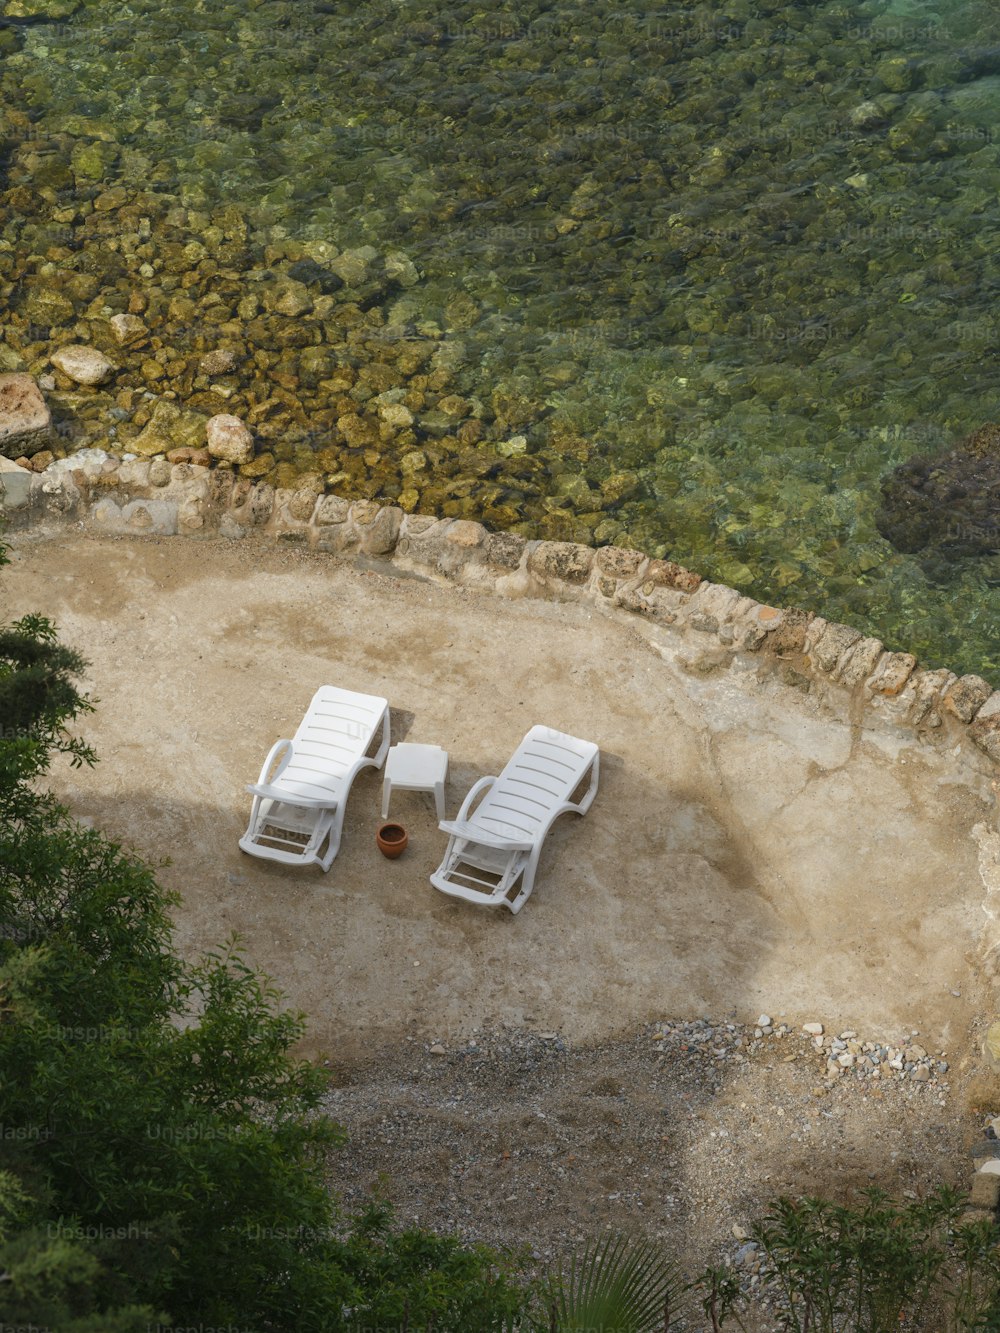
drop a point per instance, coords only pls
(460, 828)
(475, 790)
(273, 753)
(279, 794)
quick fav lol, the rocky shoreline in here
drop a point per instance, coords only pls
(158, 497)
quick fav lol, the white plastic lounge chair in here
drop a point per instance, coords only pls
(494, 847)
(300, 806)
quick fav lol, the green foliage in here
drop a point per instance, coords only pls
(617, 1285)
(162, 1151)
(416, 1280)
(37, 699)
(872, 1268)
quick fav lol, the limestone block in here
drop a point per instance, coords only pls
(859, 662)
(257, 507)
(814, 632)
(985, 731)
(133, 475)
(460, 546)
(754, 625)
(423, 541)
(377, 526)
(191, 514)
(966, 696)
(788, 636)
(466, 534)
(333, 537)
(618, 563)
(568, 562)
(715, 602)
(25, 420)
(57, 494)
(927, 687)
(891, 673)
(831, 646)
(220, 484)
(15, 485)
(107, 514)
(415, 525)
(667, 574)
(505, 550)
(158, 518)
(159, 472)
(663, 605)
(332, 509)
(302, 504)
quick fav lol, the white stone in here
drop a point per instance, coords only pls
(991, 1167)
(764, 1021)
(396, 414)
(127, 329)
(814, 1029)
(83, 365)
(229, 439)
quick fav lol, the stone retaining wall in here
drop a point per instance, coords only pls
(154, 497)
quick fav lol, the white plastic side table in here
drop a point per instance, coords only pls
(415, 768)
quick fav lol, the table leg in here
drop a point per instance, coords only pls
(386, 795)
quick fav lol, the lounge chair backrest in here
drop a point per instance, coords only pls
(336, 731)
(541, 776)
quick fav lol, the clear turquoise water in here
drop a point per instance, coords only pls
(723, 301)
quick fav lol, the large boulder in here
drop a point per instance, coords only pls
(25, 420)
(948, 505)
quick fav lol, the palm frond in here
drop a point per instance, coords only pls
(617, 1285)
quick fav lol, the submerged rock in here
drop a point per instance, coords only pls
(949, 504)
(83, 365)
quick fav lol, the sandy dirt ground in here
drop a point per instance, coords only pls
(746, 851)
(750, 851)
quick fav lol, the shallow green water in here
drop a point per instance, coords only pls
(718, 300)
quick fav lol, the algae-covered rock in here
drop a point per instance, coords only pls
(48, 308)
(92, 160)
(52, 9)
(948, 504)
(170, 427)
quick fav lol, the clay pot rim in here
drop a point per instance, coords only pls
(391, 832)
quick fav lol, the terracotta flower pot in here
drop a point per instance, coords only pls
(392, 840)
